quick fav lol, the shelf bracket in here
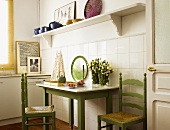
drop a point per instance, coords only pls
(117, 21)
(47, 39)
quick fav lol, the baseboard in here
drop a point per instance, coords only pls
(10, 121)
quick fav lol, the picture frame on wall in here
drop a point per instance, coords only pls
(65, 12)
(25, 49)
(33, 66)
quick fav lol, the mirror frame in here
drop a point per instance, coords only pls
(72, 65)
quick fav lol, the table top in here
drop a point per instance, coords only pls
(79, 89)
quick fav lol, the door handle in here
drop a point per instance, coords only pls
(151, 68)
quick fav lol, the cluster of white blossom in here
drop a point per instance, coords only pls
(100, 67)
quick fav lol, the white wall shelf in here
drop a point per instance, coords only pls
(115, 16)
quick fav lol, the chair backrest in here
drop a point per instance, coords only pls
(124, 95)
(24, 92)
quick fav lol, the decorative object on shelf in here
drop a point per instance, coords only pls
(23, 50)
(65, 12)
(92, 8)
(100, 71)
(43, 29)
(36, 31)
(69, 21)
(76, 20)
(58, 70)
(33, 65)
(79, 69)
(54, 25)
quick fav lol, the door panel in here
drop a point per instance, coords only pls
(161, 113)
(10, 98)
(158, 58)
(162, 30)
(162, 82)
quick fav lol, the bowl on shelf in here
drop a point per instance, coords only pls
(36, 31)
(54, 25)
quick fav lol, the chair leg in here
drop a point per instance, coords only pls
(123, 128)
(53, 122)
(25, 126)
(23, 122)
(144, 125)
(99, 123)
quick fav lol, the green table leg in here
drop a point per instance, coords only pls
(46, 103)
(109, 104)
(71, 112)
(81, 113)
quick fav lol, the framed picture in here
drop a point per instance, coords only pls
(64, 13)
(33, 65)
(23, 50)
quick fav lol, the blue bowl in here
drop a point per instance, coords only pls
(36, 31)
(54, 25)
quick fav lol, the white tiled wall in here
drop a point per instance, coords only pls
(127, 54)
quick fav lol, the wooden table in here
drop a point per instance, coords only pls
(81, 94)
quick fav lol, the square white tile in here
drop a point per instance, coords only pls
(123, 60)
(123, 45)
(136, 60)
(101, 48)
(112, 59)
(136, 43)
(92, 49)
(111, 46)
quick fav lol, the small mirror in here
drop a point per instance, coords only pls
(79, 69)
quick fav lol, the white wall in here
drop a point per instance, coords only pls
(127, 53)
(25, 20)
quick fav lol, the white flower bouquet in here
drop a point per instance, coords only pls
(100, 71)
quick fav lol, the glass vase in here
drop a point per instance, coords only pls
(103, 79)
(95, 78)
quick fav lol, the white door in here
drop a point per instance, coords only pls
(158, 54)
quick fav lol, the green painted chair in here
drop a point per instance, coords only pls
(34, 112)
(123, 119)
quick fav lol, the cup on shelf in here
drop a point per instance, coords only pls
(43, 29)
(36, 31)
(46, 29)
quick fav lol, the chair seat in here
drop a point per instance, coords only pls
(39, 109)
(121, 117)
